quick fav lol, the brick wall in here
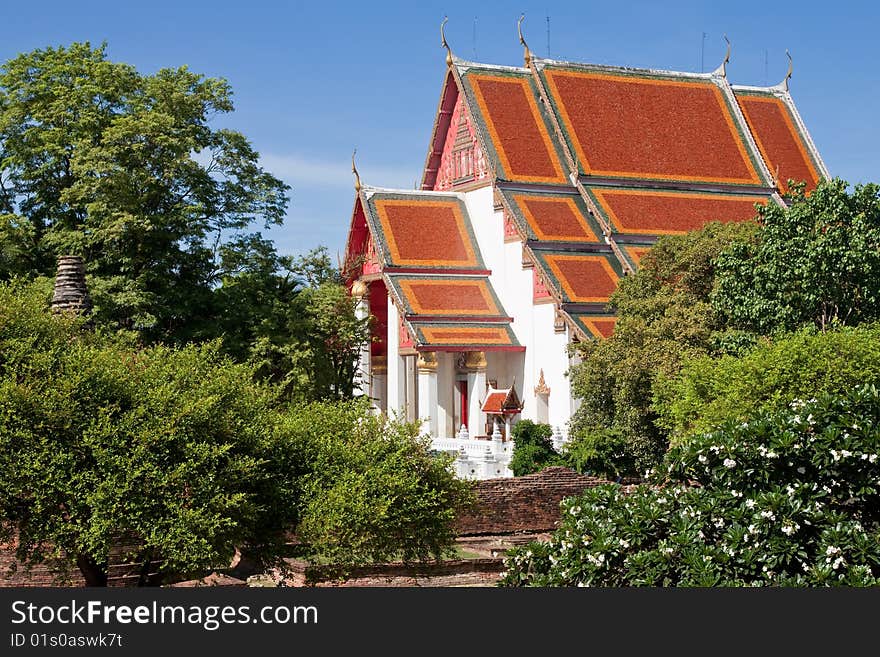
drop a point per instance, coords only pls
(12, 573)
(523, 504)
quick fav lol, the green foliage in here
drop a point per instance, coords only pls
(180, 449)
(375, 491)
(532, 448)
(816, 262)
(804, 364)
(664, 316)
(122, 168)
(602, 452)
(97, 441)
(789, 498)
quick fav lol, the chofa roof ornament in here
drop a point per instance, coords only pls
(527, 54)
(357, 177)
(722, 70)
(790, 70)
(443, 41)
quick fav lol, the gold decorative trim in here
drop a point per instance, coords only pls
(427, 361)
(475, 360)
(542, 388)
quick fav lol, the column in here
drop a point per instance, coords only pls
(426, 366)
(475, 362)
(379, 383)
(359, 292)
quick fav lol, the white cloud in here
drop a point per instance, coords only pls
(302, 172)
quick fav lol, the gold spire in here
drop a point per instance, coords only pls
(790, 70)
(443, 42)
(357, 177)
(527, 55)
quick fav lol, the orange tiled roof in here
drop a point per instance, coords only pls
(508, 112)
(553, 216)
(446, 296)
(774, 123)
(622, 123)
(462, 336)
(597, 326)
(581, 277)
(640, 211)
(422, 230)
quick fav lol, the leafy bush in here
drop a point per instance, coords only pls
(789, 498)
(805, 364)
(374, 491)
(532, 448)
(604, 453)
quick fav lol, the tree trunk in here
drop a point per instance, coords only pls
(91, 571)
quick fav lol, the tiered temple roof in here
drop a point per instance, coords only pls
(591, 164)
(424, 249)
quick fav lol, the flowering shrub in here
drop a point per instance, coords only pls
(788, 498)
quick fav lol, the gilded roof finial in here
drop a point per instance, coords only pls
(726, 58)
(443, 41)
(527, 55)
(790, 70)
(357, 177)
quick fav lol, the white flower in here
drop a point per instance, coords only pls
(702, 458)
(752, 529)
(768, 515)
(624, 543)
(789, 528)
(872, 458)
(832, 550)
(729, 463)
(845, 453)
(801, 470)
(736, 493)
(750, 504)
(668, 550)
(771, 454)
(838, 562)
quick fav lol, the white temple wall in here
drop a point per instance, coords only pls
(549, 349)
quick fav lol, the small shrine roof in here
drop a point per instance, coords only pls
(501, 401)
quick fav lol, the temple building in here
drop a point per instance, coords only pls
(543, 185)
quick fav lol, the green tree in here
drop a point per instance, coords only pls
(310, 338)
(709, 390)
(124, 169)
(664, 316)
(816, 262)
(532, 448)
(786, 498)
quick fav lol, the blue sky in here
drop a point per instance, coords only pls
(314, 80)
